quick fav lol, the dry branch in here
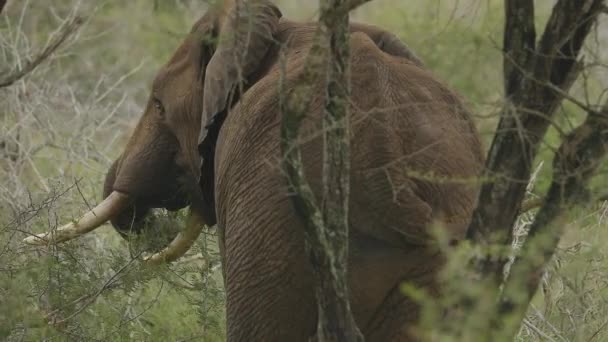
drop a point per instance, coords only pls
(66, 29)
(538, 202)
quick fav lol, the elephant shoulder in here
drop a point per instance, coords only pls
(297, 35)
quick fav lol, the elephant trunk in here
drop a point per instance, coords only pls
(151, 173)
(129, 219)
(147, 169)
(126, 216)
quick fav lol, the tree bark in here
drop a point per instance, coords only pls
(335, 321)
(326, 225)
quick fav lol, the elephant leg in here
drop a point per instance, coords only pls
(376, 271)
(269, 283)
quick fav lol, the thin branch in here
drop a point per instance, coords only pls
(88, 299)
(68, 27)
(538, 202)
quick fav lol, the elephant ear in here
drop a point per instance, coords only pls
(246, 34)
(388, 42)
(392, 45)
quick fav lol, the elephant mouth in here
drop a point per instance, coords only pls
(128, 215)
(176, 202)
(150, 222)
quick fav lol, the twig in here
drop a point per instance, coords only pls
(90, 298)
(70, 26)
(538, 331)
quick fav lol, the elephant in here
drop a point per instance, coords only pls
(209, 140)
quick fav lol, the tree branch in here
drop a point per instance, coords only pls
(519, 42)
(518, 135)
(326, 226)
(576, 161)
(538, 202)
(2, 4)
(68, 27)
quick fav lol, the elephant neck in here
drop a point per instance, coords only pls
(207, 150)
(207, 146)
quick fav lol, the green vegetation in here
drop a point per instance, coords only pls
(62, 126)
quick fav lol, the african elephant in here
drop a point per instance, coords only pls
(209, 139)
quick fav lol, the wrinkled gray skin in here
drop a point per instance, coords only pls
(405, 124)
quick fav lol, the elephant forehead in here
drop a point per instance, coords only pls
(175, 79)
(177, 75)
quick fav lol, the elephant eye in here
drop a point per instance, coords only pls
(159, 106)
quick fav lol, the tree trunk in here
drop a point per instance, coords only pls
(576, 161)
(536, 77)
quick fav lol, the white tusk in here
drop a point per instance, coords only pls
(182, 242)
(94, 218)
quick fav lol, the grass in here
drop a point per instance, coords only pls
(62, 126)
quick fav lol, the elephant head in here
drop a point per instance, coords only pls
(160, 165)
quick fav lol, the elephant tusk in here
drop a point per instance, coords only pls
(182, 242)
(88, 222)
